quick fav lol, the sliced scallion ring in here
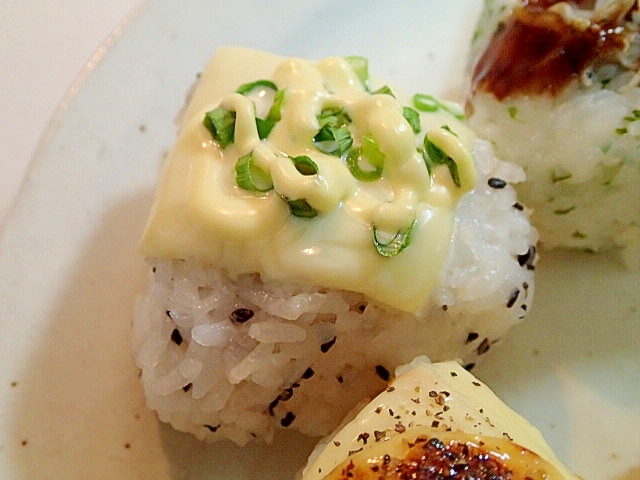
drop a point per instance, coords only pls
(434, 156)
(396, 244)
(250, 177)
(221, 124)
(262, 83)
(334, 116)
(413, 117)
(333, 140)
(301, 208)
(370, 153)
(429, 103)
(305, 165)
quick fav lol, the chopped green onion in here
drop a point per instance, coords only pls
(301, 208)
(275, 112)
(264, 127)
(250, 177)
(512, 111)
(429, 103)
(305, 165)
(426, 103)
(369, 152)
(333, 140)
(384, 90)
(221, 124)
(434, 156)
(360, 66)
(247, 87)
(413, 117)
(334, 116)
(395, 245)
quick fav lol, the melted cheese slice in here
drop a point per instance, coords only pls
(200, 213)
(440, 407)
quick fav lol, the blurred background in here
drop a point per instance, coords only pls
(44, 48)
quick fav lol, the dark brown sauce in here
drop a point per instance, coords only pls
(535, 51)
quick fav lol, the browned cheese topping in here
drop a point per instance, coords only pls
(538, 50)
(449, 455)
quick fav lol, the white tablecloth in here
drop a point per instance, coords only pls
(43, 47)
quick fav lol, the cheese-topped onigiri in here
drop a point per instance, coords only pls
(312, 230)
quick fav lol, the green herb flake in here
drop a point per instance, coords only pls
(564, 211)
(221, 124)
(579, 234)
(622, 131)
(396, 244)
(513, 112)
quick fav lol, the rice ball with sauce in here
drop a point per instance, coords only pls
(311, 231)
(554, 87)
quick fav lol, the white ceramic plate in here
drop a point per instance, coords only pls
(71, 406)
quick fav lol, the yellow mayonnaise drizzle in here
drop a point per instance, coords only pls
(200, 213)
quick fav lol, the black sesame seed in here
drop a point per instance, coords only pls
(325, 347)
(308, 373)
(513, 297)
(187, 387)
(496, 183)
(435, 424)
(154, 269)
(528, 259)
(241, 315)
(483, 347)
(340, 379)
(469, 366)
(212, 428)
(273, 405)
(518, 206)
(286, 394)
(383, 373)
(472, 337)
(288, 419)
(176, 337)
